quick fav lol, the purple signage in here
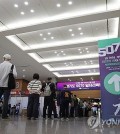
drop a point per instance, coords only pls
(109, 60)
(84, 85)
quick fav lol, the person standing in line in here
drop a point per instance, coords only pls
(34, 88)
(65, 100)
(49, 99)
(5, 68)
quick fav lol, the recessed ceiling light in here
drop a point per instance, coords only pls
(62, 51)
(72, 35)
(86, 48)
(55, 52)
(87, 51)
(32, 11)
(23, 76)
(65, 63)
(81, 33)
(58, 5)
(79, 49)
(41, 34)
(70, 30)
(22, 13)
(49, 33)
(26, 3)
(80, 52)
(52, 38)
(44, 39)
(70, 2)
(15, 5)
(23, 70)
(79, 28)
(64, 54)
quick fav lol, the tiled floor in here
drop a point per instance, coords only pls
(73, 126)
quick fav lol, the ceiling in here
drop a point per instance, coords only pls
(57, 38)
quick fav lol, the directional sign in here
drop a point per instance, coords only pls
(112, 83)
(109, 61)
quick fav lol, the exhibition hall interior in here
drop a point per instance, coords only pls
(67, 57)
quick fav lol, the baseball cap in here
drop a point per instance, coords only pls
(7, 56)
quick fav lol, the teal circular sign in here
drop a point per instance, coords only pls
(112, 83)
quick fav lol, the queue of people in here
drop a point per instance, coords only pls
(66, 102)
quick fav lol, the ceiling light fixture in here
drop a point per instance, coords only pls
(44, 39)
(81, 33)
(22, 13)
(79, 49)
(32, 11)
(55, 52)
(49, 33)
(62, 51)
(79, 28)
(87, 51)
(23, 70)
(70, 67)
(23, 76)
(70, 30)
(15, 5)
(72, 35)
(41, 34)
(73, 75)
(64, 54)
(58, 5)
(70, 2)
(52, 38)
(26, 3)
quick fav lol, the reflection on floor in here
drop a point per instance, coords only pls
(41, 126)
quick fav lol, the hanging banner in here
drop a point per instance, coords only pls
(83, 85)
(109, 60)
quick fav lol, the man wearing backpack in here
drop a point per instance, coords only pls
(49, 99)
(5, 68)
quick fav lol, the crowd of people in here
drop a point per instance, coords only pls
(68, 104)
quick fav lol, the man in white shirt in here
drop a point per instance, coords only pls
(5, 68)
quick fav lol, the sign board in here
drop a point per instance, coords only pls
(84, 85)
(109, 60)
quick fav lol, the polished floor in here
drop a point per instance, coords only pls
(21, 125)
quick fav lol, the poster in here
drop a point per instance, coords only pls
(109, 60)
(84, 85)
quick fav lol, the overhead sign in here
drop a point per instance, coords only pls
(109, 60)
(84, 85)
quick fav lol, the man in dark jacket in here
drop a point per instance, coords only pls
(49, 99)
(65, 100)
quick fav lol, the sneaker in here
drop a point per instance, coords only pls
(67, 119)
(34, 118)
(62, 119)
(29, 118)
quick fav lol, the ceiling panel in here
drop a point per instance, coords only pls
(45, 10)
(51, 37)
(85, 62)
(68, 52)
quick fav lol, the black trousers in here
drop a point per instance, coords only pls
(33, 105)
(50, 104)
(65, 108)
(6, 92)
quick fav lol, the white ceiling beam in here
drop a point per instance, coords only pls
(66, 22)
(68, 60)
(63, 47)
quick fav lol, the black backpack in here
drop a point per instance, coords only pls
(11, 79)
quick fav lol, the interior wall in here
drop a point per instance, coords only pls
(87, 93)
